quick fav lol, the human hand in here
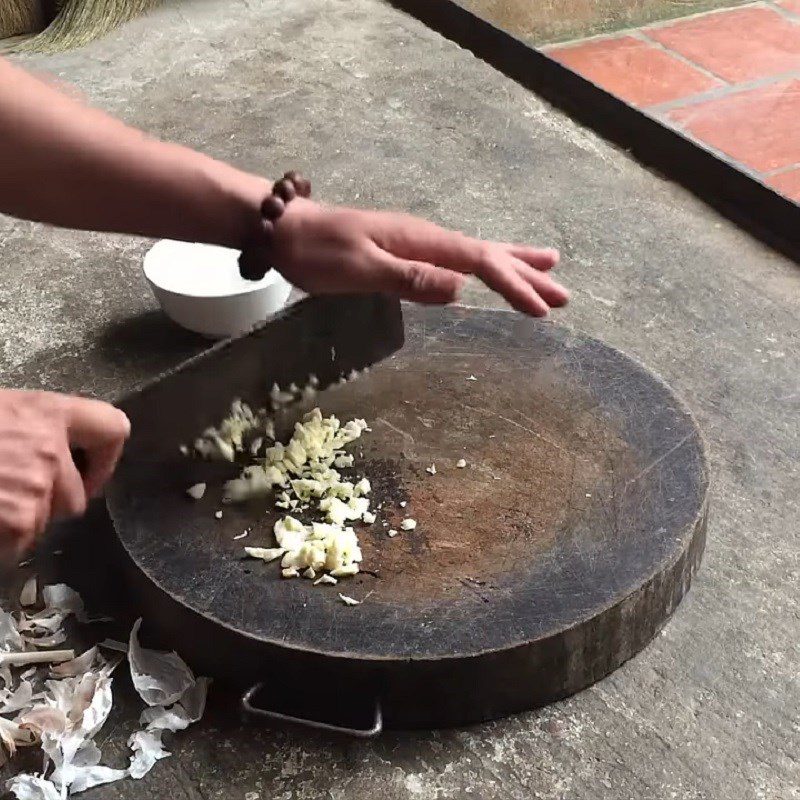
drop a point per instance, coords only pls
(338, 250)
(38, 478)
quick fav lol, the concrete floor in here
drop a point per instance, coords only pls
(379, 111)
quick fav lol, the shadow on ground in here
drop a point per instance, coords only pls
(149, 342)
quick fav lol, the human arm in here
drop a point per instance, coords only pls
(67, 164)
(74, 166)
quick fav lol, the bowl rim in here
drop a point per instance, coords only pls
(272, 279)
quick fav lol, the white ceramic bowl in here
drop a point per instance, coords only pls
(199, 287)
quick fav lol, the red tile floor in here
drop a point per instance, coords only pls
(729, 79)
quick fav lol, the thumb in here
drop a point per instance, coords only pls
(100, 430)
(416, 280)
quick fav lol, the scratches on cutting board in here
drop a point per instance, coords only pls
(405, 434)
(521, 427)
(655, 462)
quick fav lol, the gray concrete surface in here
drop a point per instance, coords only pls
(382, 112)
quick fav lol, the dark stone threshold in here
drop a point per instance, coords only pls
(761, 211)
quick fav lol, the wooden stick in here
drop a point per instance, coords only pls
(46, 657)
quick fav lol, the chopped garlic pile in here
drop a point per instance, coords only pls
(305, 467)
(304, 471)
(304, 475)
(243, 425)
(225, 442)
(312, 548)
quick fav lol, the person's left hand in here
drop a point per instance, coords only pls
(38, 477)
(339, 250)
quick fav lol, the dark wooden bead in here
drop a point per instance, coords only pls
(301, 184)
(251, 265)
(254, 260)
(273, 207)
(284, 188)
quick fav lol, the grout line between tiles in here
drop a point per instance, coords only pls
(641, 36)
(717, 153)
(782, 170)
(751, 172)
(786, 13)
(728, 89)
(722, 92)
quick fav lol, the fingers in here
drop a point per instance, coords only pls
(21, 523)
(526, 288)
(370, 251)
(41, 521)
(101, 430)
(24, 510)
(517, 272)
(537, 257)
(69, 493)
(506, 281)
(416, 239)
(554, 294)
(419, 240)
(38, 478)
(102, 463)
(414, 280)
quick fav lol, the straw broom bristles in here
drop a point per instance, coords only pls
(78, 22)
(18, 17)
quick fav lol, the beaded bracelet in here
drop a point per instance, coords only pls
(253, 263)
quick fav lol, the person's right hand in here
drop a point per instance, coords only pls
(38, 477)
